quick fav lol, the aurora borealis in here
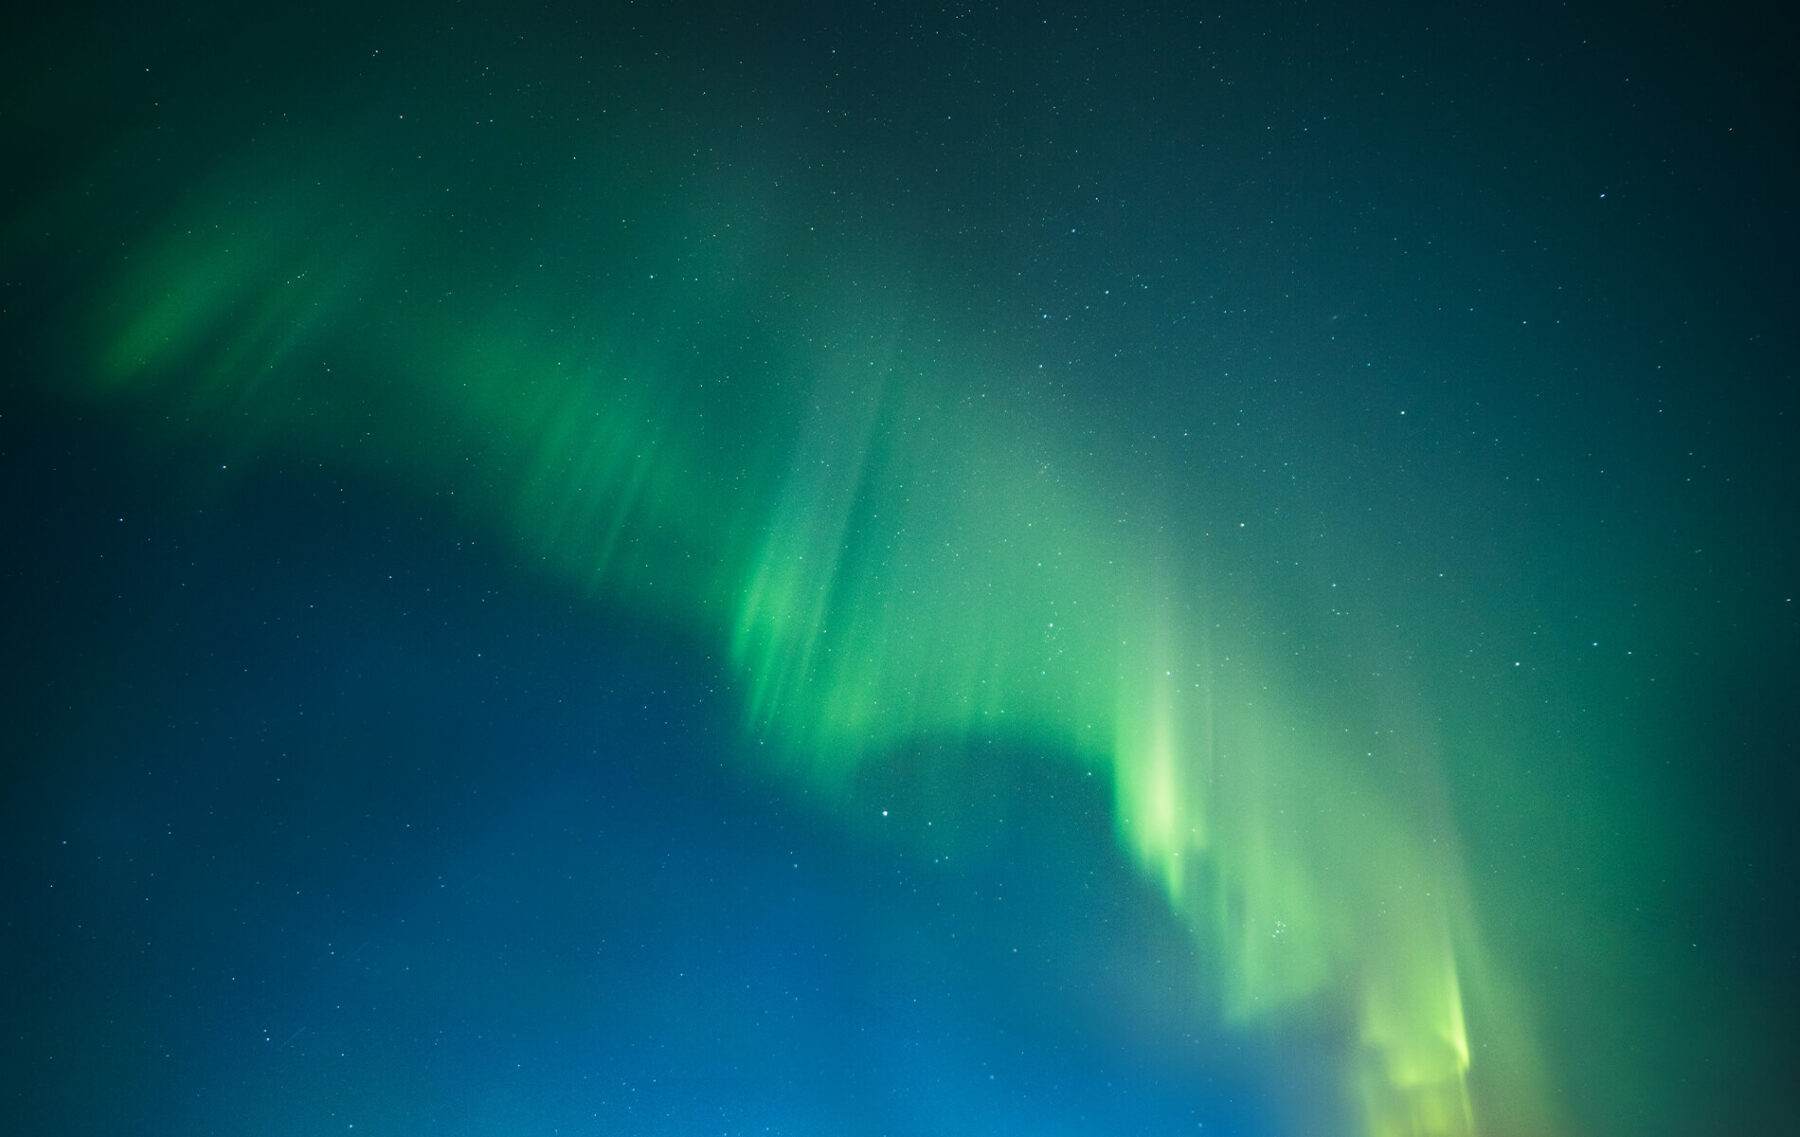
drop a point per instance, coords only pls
(899, 570)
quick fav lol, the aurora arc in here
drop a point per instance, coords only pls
(779, 456)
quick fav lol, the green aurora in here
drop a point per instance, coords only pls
(654, 370)
(796, 482)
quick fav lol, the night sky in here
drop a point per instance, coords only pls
(896, 569)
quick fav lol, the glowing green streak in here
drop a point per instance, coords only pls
(884, 560)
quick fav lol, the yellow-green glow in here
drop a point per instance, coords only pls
(805, 479)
